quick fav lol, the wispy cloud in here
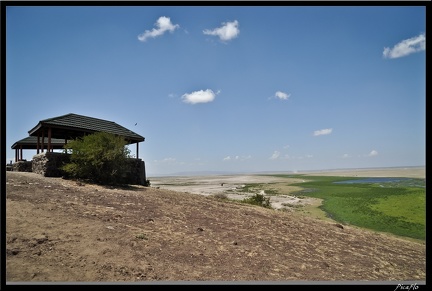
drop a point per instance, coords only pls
(226, 32)
(275, 155)
(406, 47)
(163, 25)
(323, 131)
(373, 153)
(201, 96)
(237, 158)
(166, 160)
(282, 95)
(345, 156)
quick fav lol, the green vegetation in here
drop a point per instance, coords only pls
(258, 199)
(398, 208)
(249, 188)
(100, 157)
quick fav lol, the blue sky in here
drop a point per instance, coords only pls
(236, 89)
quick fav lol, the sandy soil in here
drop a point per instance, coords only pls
(63, 231)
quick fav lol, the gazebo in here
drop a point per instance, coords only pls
(57, 131)
(30, 143)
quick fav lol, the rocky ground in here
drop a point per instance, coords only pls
(61, 230)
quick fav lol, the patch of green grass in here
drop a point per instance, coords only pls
(408, 206)
(399, 209)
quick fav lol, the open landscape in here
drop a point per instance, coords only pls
(215, 145)
(196, 230)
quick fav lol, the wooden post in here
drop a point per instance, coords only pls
(16, 155)
(37, 144)
(21, 152)
(42, 144)
(137, 147)
(49, 149)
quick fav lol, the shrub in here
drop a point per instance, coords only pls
(100, 157)
(258, 199)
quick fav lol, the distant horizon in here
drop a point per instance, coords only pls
(223, 173)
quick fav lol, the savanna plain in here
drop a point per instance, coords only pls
(200, 229)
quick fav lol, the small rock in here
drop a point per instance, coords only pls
(13, 252)
(326, 265)
(303, 267)
(41, 238)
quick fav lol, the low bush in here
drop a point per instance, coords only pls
(258, 199)
(100, 157)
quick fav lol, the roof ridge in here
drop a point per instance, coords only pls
(53, 118)
(77, 115)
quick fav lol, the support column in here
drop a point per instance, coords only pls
(49, 149)
(137, 149)
(42, 144)
(37, 144)
(16, 155)
(21, 152)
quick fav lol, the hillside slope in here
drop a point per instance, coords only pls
(62, 231)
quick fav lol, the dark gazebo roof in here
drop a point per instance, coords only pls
(30, 143)
(71, 126)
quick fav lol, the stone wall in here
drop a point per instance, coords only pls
(136, 174)
(22, 166)
(48, 164)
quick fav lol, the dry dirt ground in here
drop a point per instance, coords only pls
(61, 230)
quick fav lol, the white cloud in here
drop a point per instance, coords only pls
(373, 153)
(227, 31)
(227, 158)
(202, 96)
(323, 131)
(406, 47)
(281, 95)
(275, 155)
(344, 156)
(163, 24)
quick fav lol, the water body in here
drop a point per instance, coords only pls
(407, 182)
(373, 180)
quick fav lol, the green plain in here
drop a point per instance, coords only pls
(394, 207)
